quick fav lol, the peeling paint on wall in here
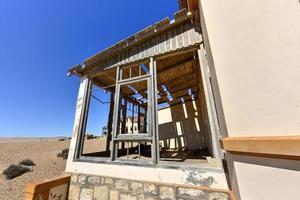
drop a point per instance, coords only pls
(197, 177)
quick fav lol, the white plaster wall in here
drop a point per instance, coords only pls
(255, 47)
(151, 174)
(264, 178)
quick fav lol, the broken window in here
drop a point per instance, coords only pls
(133, 137)
(94, 131)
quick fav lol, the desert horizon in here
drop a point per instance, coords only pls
(4, 138)
(43, 152)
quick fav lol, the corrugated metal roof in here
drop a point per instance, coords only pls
(163, 37)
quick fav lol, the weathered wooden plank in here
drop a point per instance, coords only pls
(162, 23)
(180, 13)
(286, 147)
(134, 137)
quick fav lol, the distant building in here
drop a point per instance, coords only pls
(104, 131)
(89, 136)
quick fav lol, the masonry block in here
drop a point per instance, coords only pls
(122, 185)
(166, 192)
(127, 197)
(74, 178)
(93, 180)
(136, 187)
(146, 197)
(86, 194)
(81, 179)
(218, 196)
(84, 187)
(74, 192)
(150, 188)
(113, 195)
(109, 181)
(188, 192)
(101, 193)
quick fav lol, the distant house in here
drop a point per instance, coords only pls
(89, 136)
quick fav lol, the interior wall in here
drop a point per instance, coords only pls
(255, 48)
(182, 125)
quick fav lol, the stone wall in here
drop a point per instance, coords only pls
(85, 187)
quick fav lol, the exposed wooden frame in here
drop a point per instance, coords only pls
(139, 118)
(154, 116)
(133, 137)
(210, 105)
(83, 118)
(284, 147)
(151, 133)
(134, 79)
(114, 149)
(152, 119)
(177, 100)
(132, 118)
(124, 117)
(188, 84)
(109, 121)
(177, 65)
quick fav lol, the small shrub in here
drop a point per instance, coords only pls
(14, 170)
(27, 162)
(63, 154)
(61, 139)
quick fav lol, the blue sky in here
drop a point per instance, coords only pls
(40, 40)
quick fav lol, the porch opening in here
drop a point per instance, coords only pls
(157, 112)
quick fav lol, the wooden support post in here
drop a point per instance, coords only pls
(124, 115)
(210, 105)
(132, 121)
(86, 84)
(109, 123)
(139, 118)
(145, 121)
(114, 152)
(153, 111)
(132, 118)
(139, 149)
(156, 112)
(127, 150)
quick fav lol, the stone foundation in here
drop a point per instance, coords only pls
(84, 187)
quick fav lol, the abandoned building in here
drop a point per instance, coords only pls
(161, 120)
(202, 106)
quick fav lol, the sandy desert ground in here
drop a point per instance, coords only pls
(42, 151)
